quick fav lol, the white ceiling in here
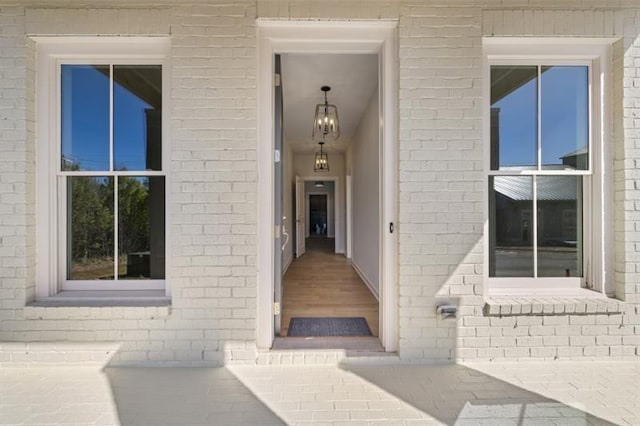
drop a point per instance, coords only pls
(353, 79)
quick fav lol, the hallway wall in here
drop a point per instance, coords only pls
(365, 165)
(288, 208)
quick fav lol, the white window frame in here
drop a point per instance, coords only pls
(597, 181)
(52, 53)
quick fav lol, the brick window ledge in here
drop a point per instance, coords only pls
(101, 305)
(568, 302)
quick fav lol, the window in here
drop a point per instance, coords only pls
(107, 169)
(545, 190)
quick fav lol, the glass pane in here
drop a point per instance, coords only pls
(514, 112)
(510, 239)
(90, 244)
(565, 118)
(559, 226)
(85, 117)
(137, 117)
(141, 227)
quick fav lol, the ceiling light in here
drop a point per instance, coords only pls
(319, 184)
(325, 122)
(321, 161)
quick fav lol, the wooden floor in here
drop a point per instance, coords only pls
(324, 284)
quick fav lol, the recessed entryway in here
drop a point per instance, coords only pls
(377, 39)
(324, 292)
(323, 284)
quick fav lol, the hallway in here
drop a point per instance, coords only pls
(322, 283)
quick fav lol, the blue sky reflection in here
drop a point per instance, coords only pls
(564, 114)
(85, 117)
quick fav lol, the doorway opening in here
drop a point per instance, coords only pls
(334, 295)
(318, 216)
(295, 224)
(318, 212)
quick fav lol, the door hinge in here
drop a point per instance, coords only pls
(276, 308)
(276, 79)
(276, 156)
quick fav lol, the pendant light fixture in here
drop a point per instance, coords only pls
(325, 122)
(321, 161)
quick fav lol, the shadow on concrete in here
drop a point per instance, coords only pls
(461, 396)
(185, 396)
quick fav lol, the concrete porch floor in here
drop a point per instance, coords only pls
(553, 393)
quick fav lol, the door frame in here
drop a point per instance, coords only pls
(278, 36)
(349, 219)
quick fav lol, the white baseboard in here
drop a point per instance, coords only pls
(365, 280)
(286, 266)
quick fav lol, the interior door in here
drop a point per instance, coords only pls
(279, 234)
(300, 217)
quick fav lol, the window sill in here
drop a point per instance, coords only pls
(579, 301)
(101, 305)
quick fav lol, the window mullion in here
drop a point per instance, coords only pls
(111, 117)
(539, 168)
(539, 121)
(115, 179)
(535, 226)
(115, 228)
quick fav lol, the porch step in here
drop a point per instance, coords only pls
(326, 351)
(354, 343)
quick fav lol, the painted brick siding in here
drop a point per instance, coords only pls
(441, 180)
(17, 232)
(213, 210)
(212, 186)
(628, 168)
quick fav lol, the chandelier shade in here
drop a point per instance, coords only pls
(326, 125)
(321, 160)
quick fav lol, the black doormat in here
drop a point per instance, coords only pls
(299, 327)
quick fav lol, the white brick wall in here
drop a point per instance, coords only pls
(440, 172)
(213, 180)
(16, 172)
(213, 211)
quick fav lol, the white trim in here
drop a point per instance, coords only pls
(286, 268)
(278, 36)
(388, 82)
(265, 330)
(135, 173)
(573, 292)
(116, 236)
(597, 181)
(603, 180)
(349, 225)
(548, 48)
(547, 172)
(366, 280)
(534, 223)
(89, 47)
(535, 283)
(50, 238)
(124, 285)
(108, 296)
